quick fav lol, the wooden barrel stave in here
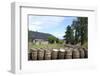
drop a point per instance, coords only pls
(68, 53)
(47, 54)
(76, 54)
(61, 54)
(40, 54)
(33, 54)
(54, 54)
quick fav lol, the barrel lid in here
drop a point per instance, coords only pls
(55, 50)
(62, 50)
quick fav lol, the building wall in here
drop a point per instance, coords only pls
(44, 42)
(39, 41)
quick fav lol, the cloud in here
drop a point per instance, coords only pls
(34, 27)
(59, 34)
(44, 22)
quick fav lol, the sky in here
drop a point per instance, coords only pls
(55, 25)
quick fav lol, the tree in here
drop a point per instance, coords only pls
(69, 38)
(77, 32)
(75, 25)
(61, 41)
(57, 40)
(52, 39)
(80, 27)
(83, 22)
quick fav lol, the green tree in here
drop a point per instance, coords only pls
(57, 40)
(52, 39)
(69, 37)
(77, 31)
(83, 22)
(80, 27)
(61, 41)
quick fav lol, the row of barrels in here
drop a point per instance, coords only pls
(52, 54)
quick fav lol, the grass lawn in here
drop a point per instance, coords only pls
(85, 45)
(48, 46)
(30, 45)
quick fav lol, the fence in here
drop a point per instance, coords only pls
(53, 54)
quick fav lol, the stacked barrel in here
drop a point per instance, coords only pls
(68, 53)
(82, 53)
(61, 54)
(33, 54)
(75, 54)
(47, 54)
(40, 54)
(54, 54)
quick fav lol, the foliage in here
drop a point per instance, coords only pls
(57, 40)
(77, 32)
(69, 35)
(52, 39)
(85, 45)
(61, 41)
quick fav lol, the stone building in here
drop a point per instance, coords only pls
(40, 41)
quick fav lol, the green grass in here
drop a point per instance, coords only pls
(85, 45)
(48, 46)
(45, 46)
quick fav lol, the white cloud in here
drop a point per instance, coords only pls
(36, 23)
(34, 27)
(44, 22)
(59, 34)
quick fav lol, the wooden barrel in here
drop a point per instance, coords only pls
(33, 54)
(47, 54)
(29, 56)
(76, 53)
(68, 53)
(61, 54)
(82, 53)
(40, 54)
(54, 54)
(86, 52)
